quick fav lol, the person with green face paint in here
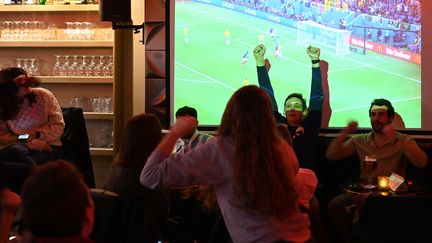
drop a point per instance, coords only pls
(303, 122)
(393, 150)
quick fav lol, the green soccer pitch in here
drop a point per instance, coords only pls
(207, 71)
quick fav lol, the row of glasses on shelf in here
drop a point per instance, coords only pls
(95, 104)
(44, 2)
(79, 31)
(30, 65)
(101, 134)
(21, 2)
(82, 65)
(27, 30)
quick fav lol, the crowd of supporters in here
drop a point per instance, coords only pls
(407, 11)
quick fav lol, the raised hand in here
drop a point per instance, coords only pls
(259, 52)
(352, 126)
(184, 125)
(388, 129)
(313, 52)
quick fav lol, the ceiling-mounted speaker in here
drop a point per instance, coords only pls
(115, 10)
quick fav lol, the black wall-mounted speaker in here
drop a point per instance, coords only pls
(115, 10)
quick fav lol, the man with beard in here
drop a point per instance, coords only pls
(392, 149)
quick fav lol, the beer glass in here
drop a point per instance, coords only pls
(369, 167)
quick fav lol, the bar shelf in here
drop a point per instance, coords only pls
(57, 43)
(75, 80)
(97, 151)
(50, 8)
(98, 116)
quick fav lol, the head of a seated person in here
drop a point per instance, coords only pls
(15, 85)
(141, 135)
(381, 114)
(56, 202)
(187, 111)
(295, 109)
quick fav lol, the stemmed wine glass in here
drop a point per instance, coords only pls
(73, 67)
(90, 68)
(19, 63)
(79, 70)
(57, 66)
(33, 67)
(108, 68)
(66, 71)
(98, 70)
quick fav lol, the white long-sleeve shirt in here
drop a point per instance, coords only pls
(210, 164)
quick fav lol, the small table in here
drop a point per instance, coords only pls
(355, 187)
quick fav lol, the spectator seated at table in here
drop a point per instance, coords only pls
(393, 150)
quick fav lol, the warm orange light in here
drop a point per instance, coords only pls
(383, 183)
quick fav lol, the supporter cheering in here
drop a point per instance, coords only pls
(251, 167)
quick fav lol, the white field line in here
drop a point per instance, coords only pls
(205, 76)
(364, 106)
(196, 81)
(346, 69)
(382, 70)
(225, 20)
(201, 23)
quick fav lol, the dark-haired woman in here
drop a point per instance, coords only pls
(141, 136)
(28, 109)
(251, 168)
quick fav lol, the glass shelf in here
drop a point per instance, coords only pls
(57, 43)
(98, 116)
(101, 151)
(75, 80)
(50, 8)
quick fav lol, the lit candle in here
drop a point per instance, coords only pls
(383, 183)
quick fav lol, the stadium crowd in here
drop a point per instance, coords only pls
(407, 11)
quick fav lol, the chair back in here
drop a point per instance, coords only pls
(13, 174)
(120, 219)
(76, 143)
(397, 218)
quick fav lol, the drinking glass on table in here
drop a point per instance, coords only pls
(369, 167)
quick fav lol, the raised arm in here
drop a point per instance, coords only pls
(199, 166)
(338, 148)
(317, 94)
(263, 77)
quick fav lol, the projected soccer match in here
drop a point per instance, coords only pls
(373, 49)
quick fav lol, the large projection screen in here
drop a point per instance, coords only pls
(371, 54)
